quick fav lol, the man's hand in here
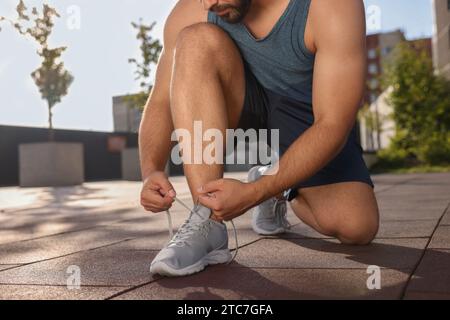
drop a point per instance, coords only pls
(228, 198)
(157, 193)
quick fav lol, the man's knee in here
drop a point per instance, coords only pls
(361, 232)
(358, 231)
(200, 38)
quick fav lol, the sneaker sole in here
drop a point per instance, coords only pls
(213, 258)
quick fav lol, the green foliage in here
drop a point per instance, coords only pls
(435, 149)
(392, 158)
(51, 78)
(421, 107)
(150, 50)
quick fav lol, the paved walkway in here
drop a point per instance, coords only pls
(100, 229)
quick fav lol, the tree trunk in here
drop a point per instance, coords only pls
(51, 133)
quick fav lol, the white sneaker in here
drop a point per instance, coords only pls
(270, 217)
(198, 243)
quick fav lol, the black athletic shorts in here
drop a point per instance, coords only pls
(264, 109)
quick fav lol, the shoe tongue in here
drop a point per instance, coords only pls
(200, 213)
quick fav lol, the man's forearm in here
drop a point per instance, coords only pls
(308, 155)
(155, 139)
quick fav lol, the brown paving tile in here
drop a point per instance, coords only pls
(245, 237)
(6, 266)
(407, 205)
(56, 246)
(408, 198)
(37, 212)
(111, 266)
(439, 180)
(382, 188)
(302, 231)
(153, 242)
(446, 219)
(441, 238)
(432, 179)
(433, 273)
(406, 229)
(22, 226)
(391, 179)
(243, 283)
(417, 190)
(27, 292)
(415, 195)
(388, 229)
(403, 215)
(328, 254)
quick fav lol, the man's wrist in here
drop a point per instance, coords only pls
(259, 192)
(148, 172)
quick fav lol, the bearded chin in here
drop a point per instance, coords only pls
(239, 13)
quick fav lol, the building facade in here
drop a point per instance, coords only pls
(126, 118)
(379, 49)
(378, 133)
(441, 37)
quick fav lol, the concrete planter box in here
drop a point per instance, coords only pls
(51, 164)
(131, 169)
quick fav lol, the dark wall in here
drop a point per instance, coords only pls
(100, 164)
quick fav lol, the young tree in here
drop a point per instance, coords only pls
(150, 50)
(421, 106)
(51, 78)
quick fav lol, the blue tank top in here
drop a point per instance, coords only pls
(280, 61)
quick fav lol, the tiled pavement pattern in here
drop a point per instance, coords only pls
(100, 228)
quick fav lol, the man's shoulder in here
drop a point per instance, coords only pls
(335, 10)
(333, 22)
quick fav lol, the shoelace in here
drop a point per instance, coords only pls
(185, 231)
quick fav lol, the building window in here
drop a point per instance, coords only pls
(373, 68)
(372, 54)
(386, 51)
(373, 84)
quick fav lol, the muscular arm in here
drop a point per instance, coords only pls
(339, 78)
(156, 126)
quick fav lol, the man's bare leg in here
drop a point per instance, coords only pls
(347, 211)
(208, 85)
